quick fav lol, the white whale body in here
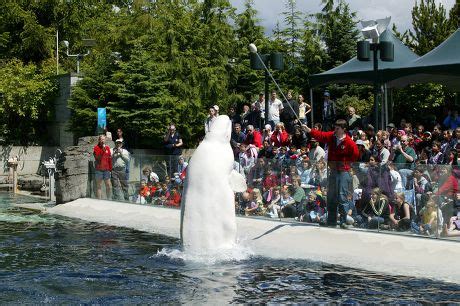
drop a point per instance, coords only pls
(208, 221)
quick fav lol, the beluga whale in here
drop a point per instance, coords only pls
(208, 221)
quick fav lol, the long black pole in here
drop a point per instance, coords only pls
(376, 86)
(267, 110)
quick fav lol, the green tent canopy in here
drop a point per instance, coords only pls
(440, 65)
(355, 71)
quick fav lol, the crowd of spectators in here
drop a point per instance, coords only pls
(403, 178)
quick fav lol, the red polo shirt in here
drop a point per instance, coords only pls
(341, 155)
(103, 158)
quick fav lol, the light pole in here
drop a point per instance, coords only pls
(276, 62)
(79, 56)
(372, 29)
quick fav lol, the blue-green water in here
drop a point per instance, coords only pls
(48, 259)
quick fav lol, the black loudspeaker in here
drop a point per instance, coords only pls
(255, 62)
(276, 61)
(387, 51)
(364, 50)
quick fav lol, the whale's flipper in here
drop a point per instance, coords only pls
(237, 181)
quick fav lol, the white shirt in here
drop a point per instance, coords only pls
(274, 110)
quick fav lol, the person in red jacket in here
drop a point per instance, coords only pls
(280, 138)
(253, 137)
(341, 153)
(103, 164)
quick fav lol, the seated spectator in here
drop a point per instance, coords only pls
(280, 138)
(396, 181)
(319, 174)
(315, 208)
(364, 153)
(253, 137)
(404, 159)
(403, 214)
(174, 198)
(247, 158)
(281, 159)
(256, 173)
(256, 204)
(144, 193)
(287, 204)
(237, 139)
(453, 228)
(267, 133)
(421, 186)
(351, 217)
(436, 154)
(429, 221)
(305, 171)
(245, 202)
(181, 168)
(271, 179)
(298, 193)
(452, 157)
(273, 205)
(299, 138)
(267, 150)
(316, 152)
(377, 211)
(149, 176)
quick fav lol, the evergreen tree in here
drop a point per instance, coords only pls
(244, 81)
(431, 26)
(337, 27)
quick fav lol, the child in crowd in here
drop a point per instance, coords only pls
(255, 204)
(174, 198)
(144, 193)
(429, 219)
(273, 206)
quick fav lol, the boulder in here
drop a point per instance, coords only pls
(75, 170)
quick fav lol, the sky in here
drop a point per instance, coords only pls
(269, 11)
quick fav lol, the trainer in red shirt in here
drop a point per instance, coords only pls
(342, 151)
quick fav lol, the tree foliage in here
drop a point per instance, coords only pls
(26, 96)
(163, 61)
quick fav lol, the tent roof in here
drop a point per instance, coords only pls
(355, 71)
(440, 65)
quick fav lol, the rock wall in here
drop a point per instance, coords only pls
(75, 170)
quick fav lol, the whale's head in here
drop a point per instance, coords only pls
(221, 130)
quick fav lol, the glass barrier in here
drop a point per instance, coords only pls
(384, 197)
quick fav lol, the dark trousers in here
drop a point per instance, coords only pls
(338, 191)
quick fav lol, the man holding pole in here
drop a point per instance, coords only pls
(342, 151)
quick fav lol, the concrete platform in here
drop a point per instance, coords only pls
(383, 253)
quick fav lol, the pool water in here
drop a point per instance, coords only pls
(49, 259)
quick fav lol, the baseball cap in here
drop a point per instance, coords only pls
(216, 108)
(119, 140)
(359, 142)
(392, 125)
(327, 94)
